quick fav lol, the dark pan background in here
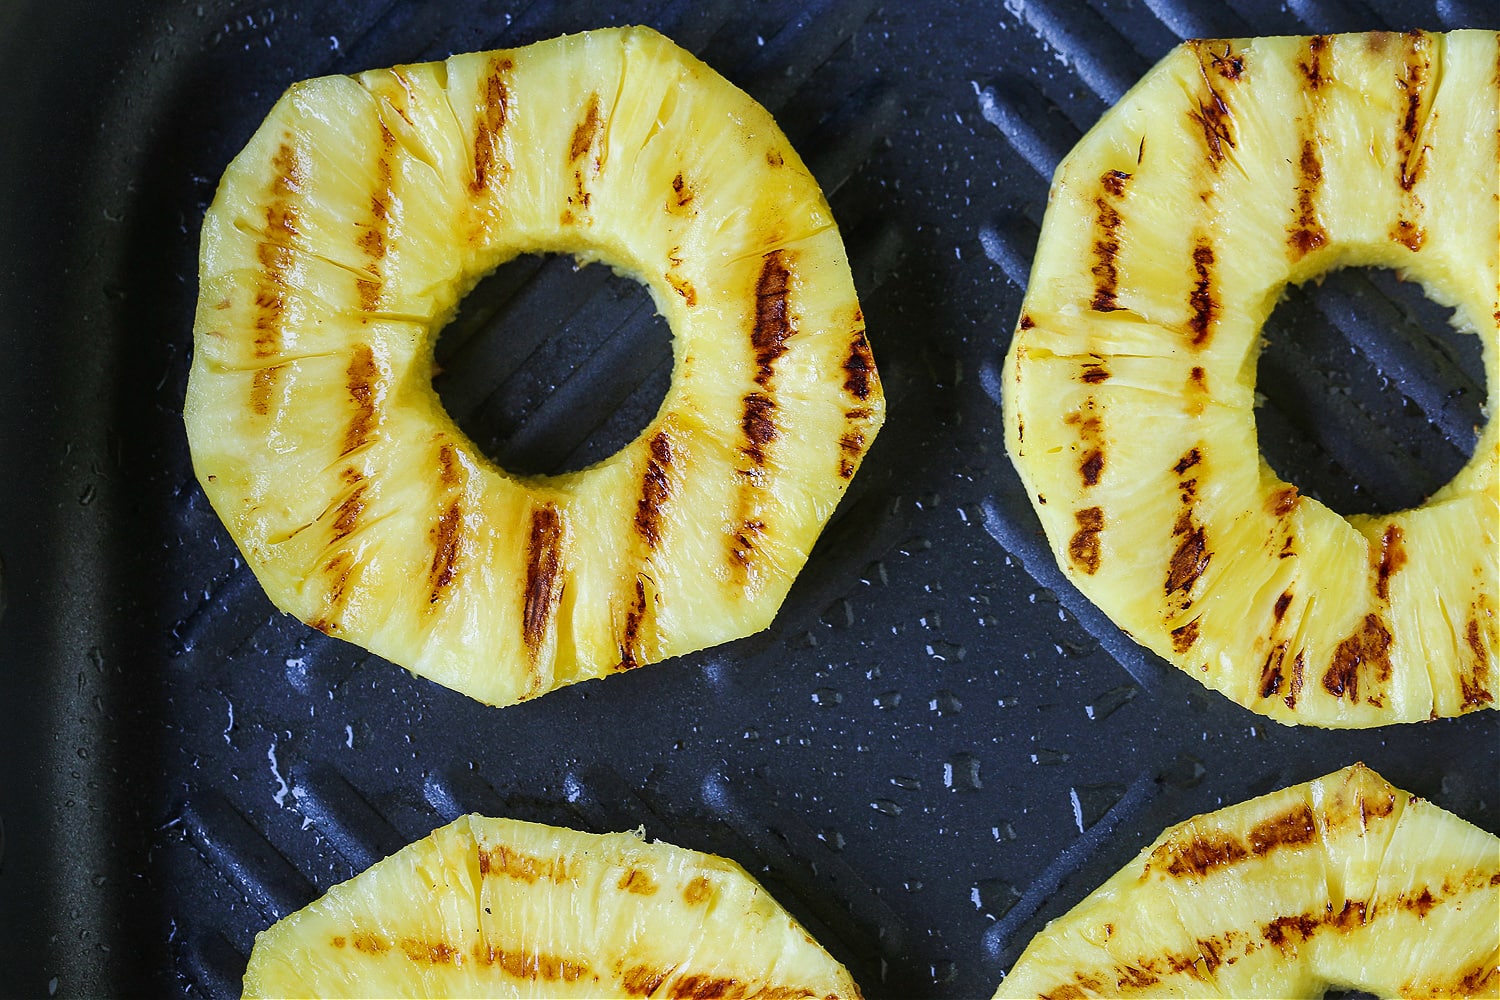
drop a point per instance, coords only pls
(936, 748)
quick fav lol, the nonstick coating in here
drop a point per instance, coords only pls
(937, 747)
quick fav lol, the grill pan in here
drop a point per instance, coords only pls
(936, 748)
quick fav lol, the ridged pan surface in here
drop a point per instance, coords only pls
(937, 747)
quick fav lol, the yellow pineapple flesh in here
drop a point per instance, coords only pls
(504, 908)
(342, 238)
(1234, 168)
(1342, 882)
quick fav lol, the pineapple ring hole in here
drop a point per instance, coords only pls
(1368, 398)
(550, 366)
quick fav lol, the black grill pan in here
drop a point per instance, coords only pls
(937, 747)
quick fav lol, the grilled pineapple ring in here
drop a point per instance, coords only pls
(341, 240)
(499, 907)
(1230, 170)
(1343, 881)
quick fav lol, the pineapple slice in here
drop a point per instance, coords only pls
(1343, 881)
(498, 907)
(341, 240)
(1230, 170)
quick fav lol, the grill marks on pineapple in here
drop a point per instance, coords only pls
(494, 112)
(1203, 300)
(275, 256)
(1363, 658)
(1212, 115)
(656, 489)
(1474, 684)
(1201, 853)
(531, 965)
(361, 378)
(1084, 547)
(587, 136)
(545, 546)
(1106, 248)
(1306, 233)
(1089, 427)
(860, 380)
(1392, 558)
(1418, 71)
(374, 236)
(772, 328)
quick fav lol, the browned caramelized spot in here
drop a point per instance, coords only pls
(587, 131)
(502, 860)
(683, 287)
(1392, 558)
(276, 260)
(1285, 933)
(774, 157)
(1214, 118)
(1228, 64)
(745, 540)
(1067, 991)
(448, 467)
(1191, 557)
(851, 447)
(859, 366)
(368, 290)
(1408, 234)
(544, 577)
(638, 882)
(1094, 372)
(531, 964)
(642, 980)
(759, 425)
(1270, 673)
(373, 238)
(1091, 434)
(682, 193)
(1475, 684)
(1363, 657)
(1294, 689)
(261, 384)
(631, 633)
(1422, 903)
(360, 377)
(370, 944)
(1474, 982)
(1313, 65)
(1026, 322)
(1091, 466)
(1186, 462)
(1282, 603)
(493, 112)
(1184, 637)
(446, 540)
(1114, 182)
(1307, 233)
(337, 941)
(1410, 154)
(697, 891)
(1282, 500)
(1203, 299)
(1083, 548)
(656, 489)
(1199, 855)
(348, 513)
(1292, 828)
(773, 321)
(1106, 252)
(430, 952)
